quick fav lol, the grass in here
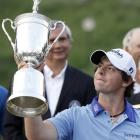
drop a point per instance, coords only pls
(113, 19)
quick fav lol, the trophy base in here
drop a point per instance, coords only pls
(27, 98)
(25, 106)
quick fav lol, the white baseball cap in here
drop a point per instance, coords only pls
(118, 58)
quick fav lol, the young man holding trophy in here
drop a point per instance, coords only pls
(108, 117)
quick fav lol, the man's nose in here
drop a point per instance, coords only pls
(102, 70)
(57, 44)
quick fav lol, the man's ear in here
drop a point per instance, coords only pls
(127, 83)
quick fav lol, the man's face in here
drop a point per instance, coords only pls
(134, 48)
(107, 78)
(61, 49)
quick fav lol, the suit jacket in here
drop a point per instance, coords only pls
(134, 99)
(78, 88)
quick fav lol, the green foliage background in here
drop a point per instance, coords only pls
(113, 19)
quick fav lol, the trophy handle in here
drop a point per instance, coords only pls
(5, 31)
(53, 28)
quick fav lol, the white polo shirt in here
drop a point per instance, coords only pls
(136, 88)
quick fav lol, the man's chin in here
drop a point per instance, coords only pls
(59, 57)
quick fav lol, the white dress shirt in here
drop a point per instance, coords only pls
(136, 88)
(53, 86)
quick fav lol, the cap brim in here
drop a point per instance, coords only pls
(96, 56)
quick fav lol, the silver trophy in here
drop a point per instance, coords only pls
(30, 46)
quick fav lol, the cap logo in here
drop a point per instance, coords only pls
(131, 70)
(117, 53)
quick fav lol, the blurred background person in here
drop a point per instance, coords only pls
(65, 85)
(3, 98)
(131, 43)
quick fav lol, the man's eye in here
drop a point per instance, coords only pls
(51, 40)
(62, 38)
(111, 68)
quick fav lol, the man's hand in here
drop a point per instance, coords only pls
(25, 65)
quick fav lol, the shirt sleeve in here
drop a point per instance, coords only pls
(64, 123)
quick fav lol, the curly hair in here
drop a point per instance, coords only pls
(129, 89)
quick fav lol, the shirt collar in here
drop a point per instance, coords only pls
(129, 110)
(96, 107)
(49, 72)
(63, 70)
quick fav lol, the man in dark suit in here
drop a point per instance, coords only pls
(65, 86)
(131, 43)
